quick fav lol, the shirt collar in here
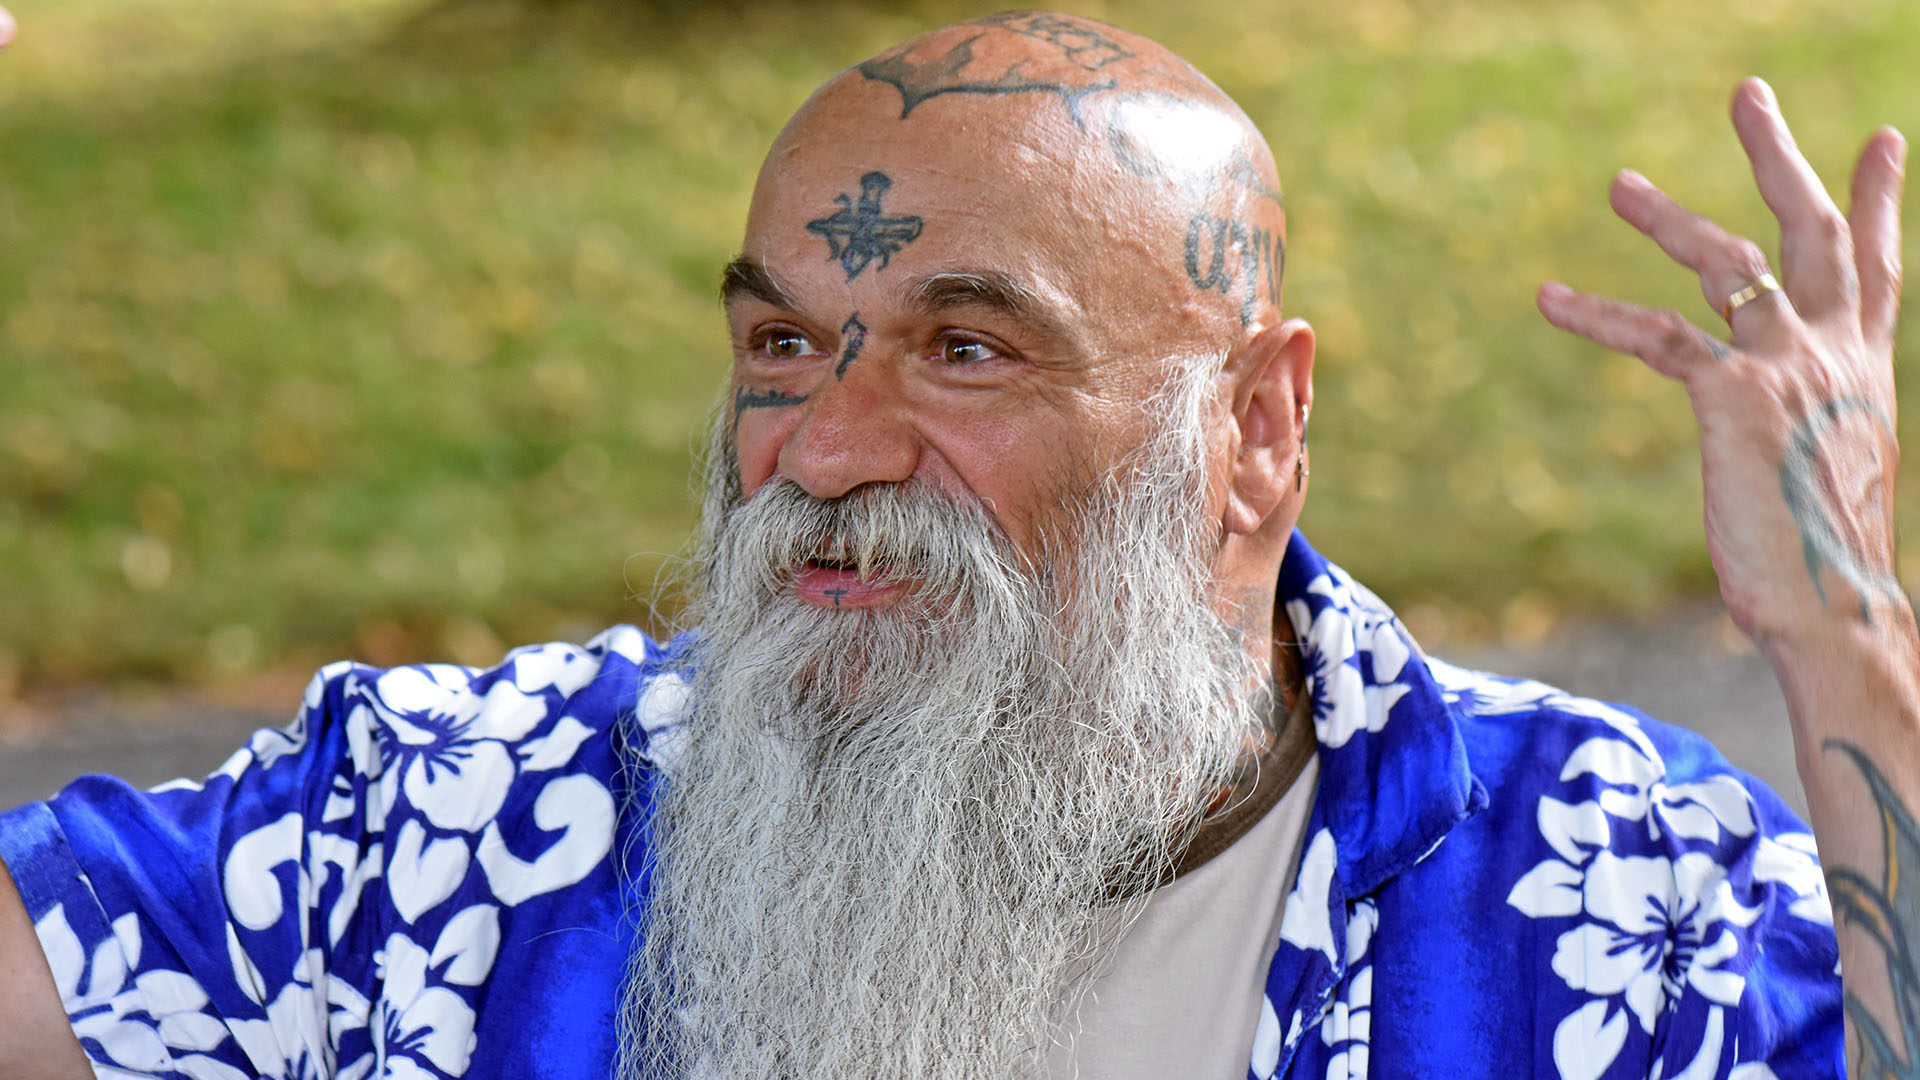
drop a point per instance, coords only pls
(1394, 775)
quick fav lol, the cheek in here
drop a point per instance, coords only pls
(757, 438)
(1024, 470)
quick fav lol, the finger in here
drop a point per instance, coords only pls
(6, 28)
(1664, 339)
(1874, 219)
(1726, 263)
(1816, 257)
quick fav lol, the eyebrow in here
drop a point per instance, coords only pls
(744, 277)
(992, 289)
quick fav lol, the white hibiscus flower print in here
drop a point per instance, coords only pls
(450, 745)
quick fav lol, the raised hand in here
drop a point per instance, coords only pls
(1796, 412)
(1798, 455)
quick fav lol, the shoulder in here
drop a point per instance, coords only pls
(452, 749)
(414, 831)
(1527, 737)
(539, 704)
(1570, 778)
(1664, 895)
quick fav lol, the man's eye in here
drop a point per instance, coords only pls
(786, 346)
(956, 351)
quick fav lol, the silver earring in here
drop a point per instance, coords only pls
(1301, 472)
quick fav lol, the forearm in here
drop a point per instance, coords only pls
(34, 1037)
(1853, 692)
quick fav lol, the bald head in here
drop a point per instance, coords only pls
(1075, 157)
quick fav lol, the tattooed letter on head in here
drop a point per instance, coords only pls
(1226, 255)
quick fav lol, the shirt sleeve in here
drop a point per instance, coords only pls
(266, 920)
(1693, 937)
(1753, 973)
(1674, 916)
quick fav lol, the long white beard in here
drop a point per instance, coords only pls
(893, 839)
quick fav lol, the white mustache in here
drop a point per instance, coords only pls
(907, 533)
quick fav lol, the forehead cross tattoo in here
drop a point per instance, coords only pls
(860, 232)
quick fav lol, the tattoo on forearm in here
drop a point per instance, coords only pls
(860, 231)
(1820, 541)
(854, 333)
(1225, 253)
(744, 399)
(1887, 908)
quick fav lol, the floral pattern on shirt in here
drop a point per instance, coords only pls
(437, 872)
(1655, 881)
(1642, 877)
(407, 846)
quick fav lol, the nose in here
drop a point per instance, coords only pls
(853, 430)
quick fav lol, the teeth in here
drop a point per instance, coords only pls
(833, 556)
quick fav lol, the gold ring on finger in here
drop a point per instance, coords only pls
(1755, 289)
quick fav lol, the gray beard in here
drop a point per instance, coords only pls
(892, 842)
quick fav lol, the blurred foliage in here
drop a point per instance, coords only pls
(386, 330)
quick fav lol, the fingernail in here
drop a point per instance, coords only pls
(1634, 178)
(1553, 290)
(1766, 93)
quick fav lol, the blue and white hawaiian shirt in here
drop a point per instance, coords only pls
(425, 876)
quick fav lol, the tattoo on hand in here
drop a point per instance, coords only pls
(1259, 260)
(854, 333)
(860, 232)
(1820, 540)
(1888, 909)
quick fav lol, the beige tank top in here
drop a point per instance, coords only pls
(1181, 994)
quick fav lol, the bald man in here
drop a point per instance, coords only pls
(1016, 731)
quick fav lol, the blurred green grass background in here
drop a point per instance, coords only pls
(385, 328)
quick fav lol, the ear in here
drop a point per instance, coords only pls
(1272, 395)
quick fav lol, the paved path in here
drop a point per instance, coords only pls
(1685, 666)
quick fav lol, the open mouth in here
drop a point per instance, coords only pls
(837, 582)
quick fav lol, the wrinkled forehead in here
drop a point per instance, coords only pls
(1075, 157)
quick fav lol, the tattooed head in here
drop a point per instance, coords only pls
(1094, 161)
(975, 255)
(996, 507)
